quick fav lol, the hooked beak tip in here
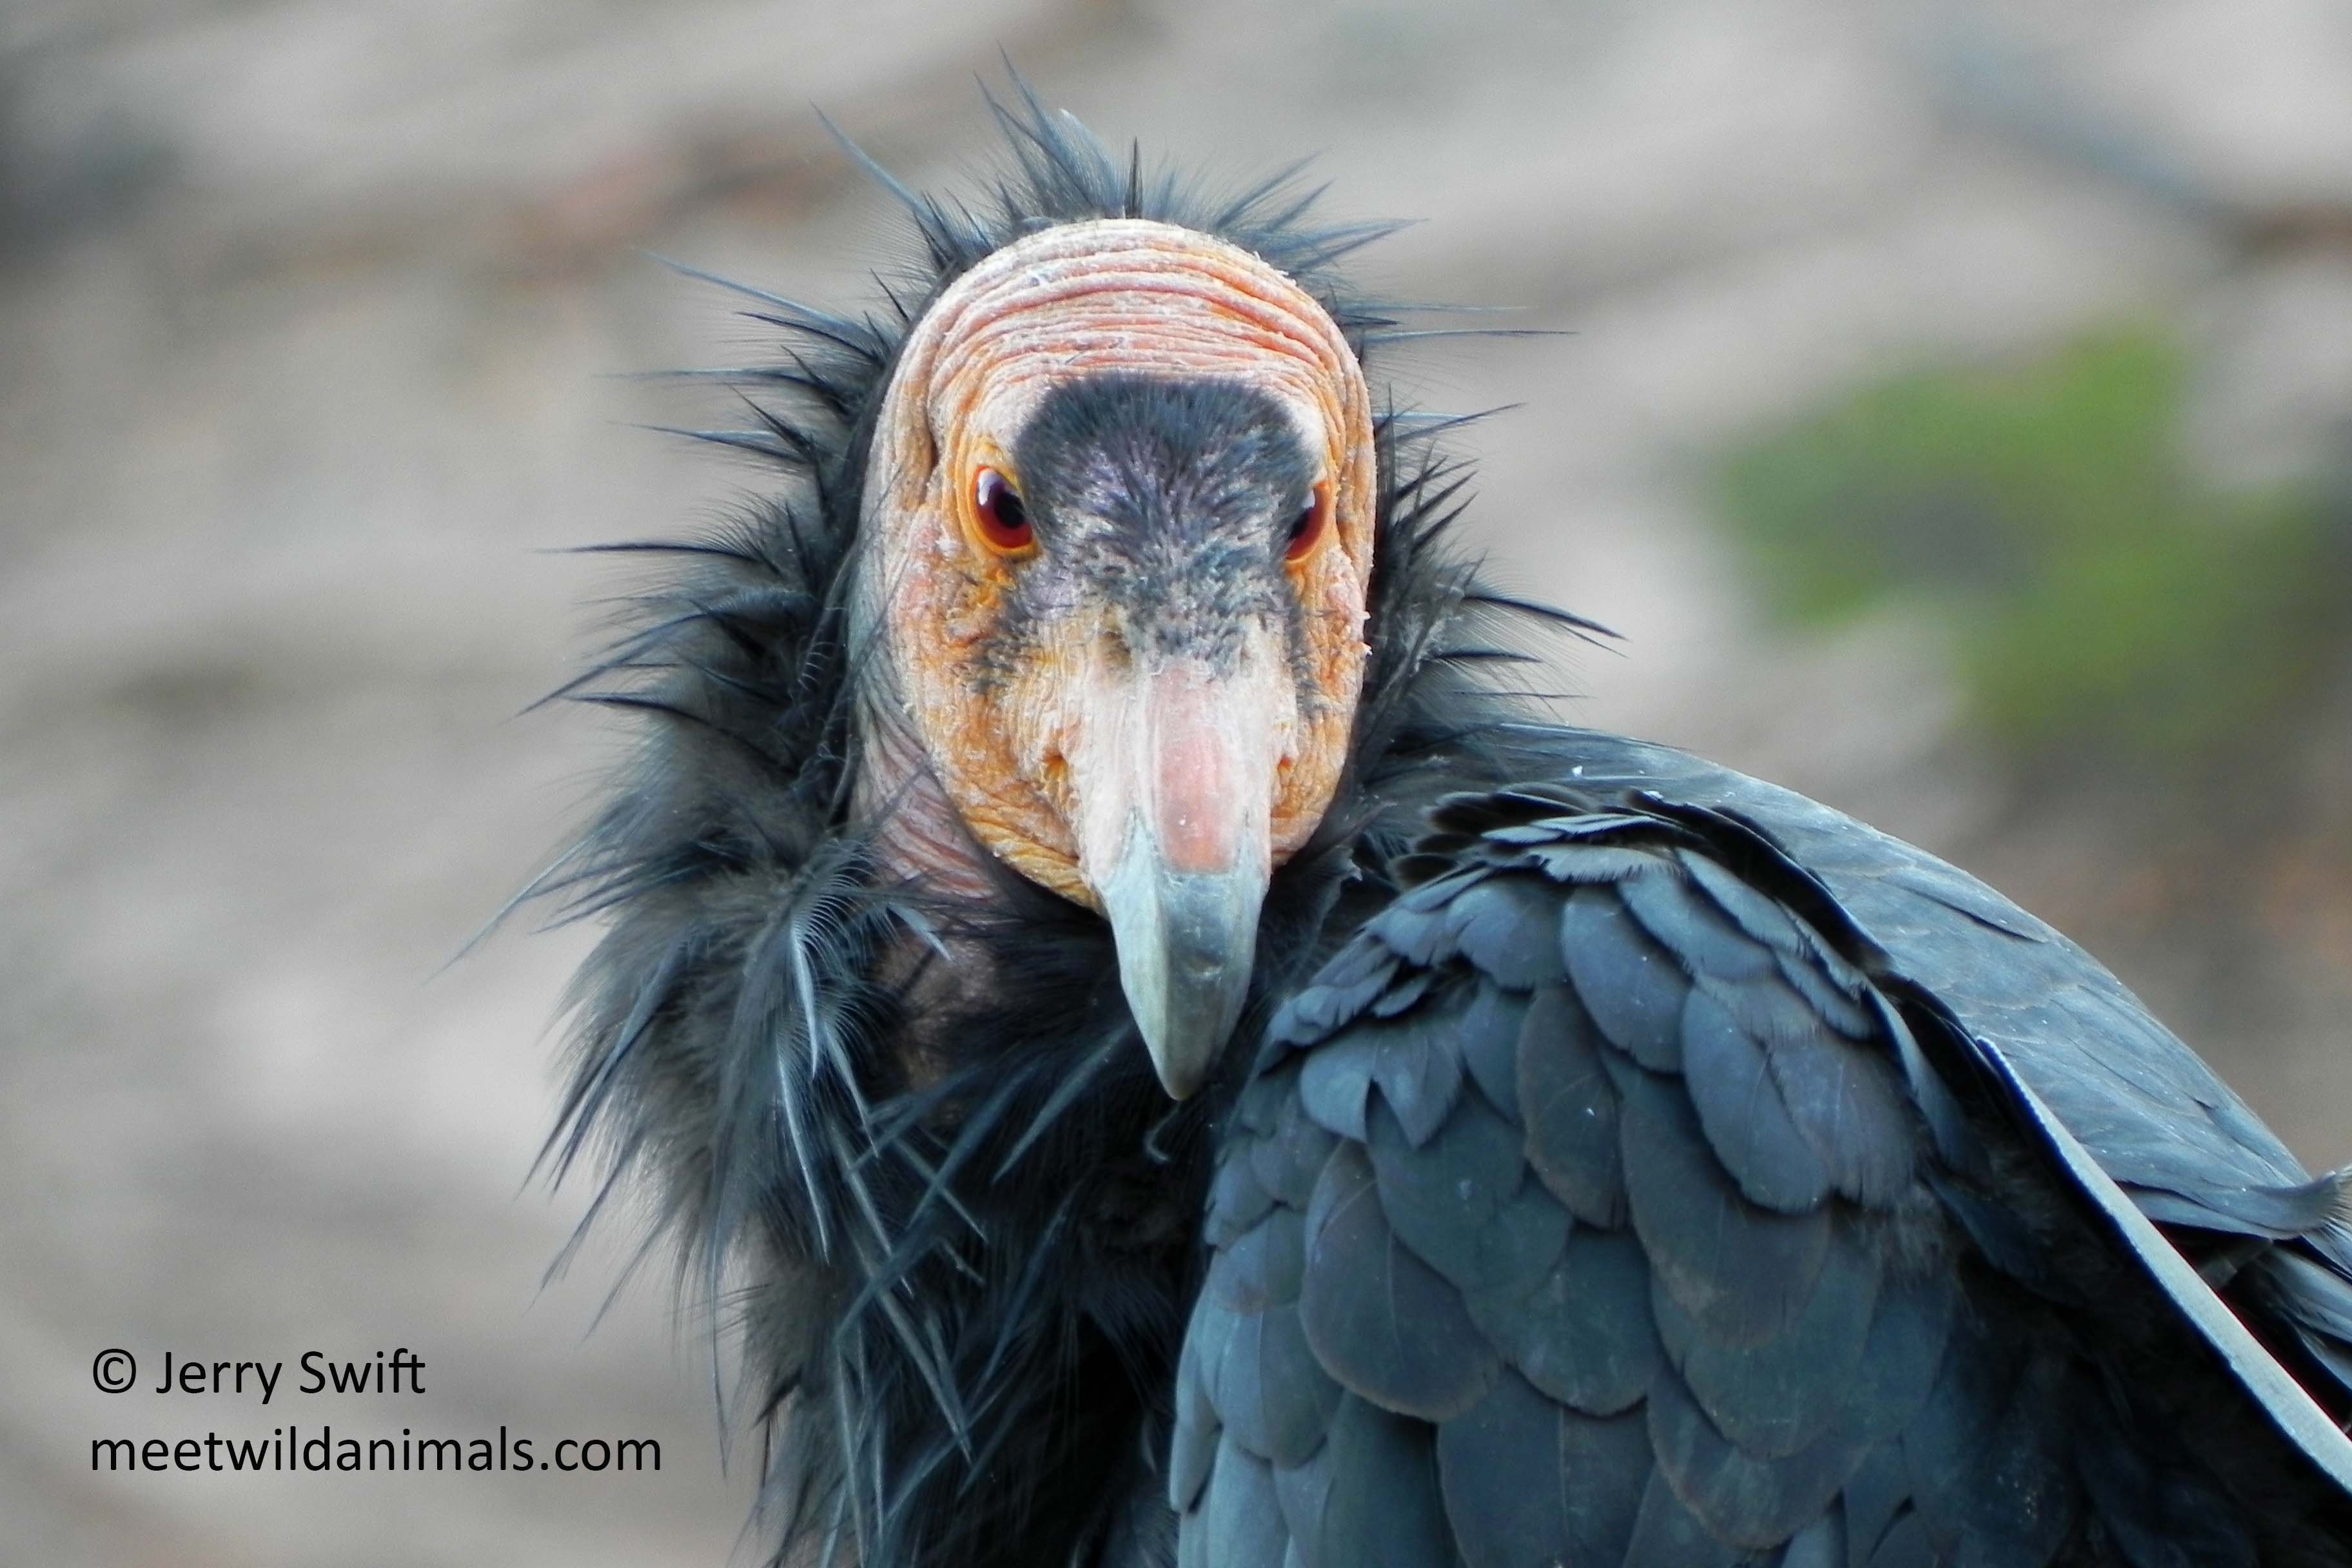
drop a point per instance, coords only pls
(1187, 944)
(1175, 784)
(1182, 1083)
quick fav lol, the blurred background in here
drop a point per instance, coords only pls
(1958, 424)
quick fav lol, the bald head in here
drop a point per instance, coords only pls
(1119, 523)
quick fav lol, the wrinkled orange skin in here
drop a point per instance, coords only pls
(1114, 294)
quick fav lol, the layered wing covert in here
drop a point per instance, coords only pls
(1602, 1203)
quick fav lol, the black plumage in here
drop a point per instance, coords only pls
(1648, 1166)
(1801, 1194)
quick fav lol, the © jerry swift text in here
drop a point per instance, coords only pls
(397, 1371)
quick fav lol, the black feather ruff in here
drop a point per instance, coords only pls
(960, 1300)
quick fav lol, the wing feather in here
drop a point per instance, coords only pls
(1628, 1211)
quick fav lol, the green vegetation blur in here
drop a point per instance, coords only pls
(2101, 602)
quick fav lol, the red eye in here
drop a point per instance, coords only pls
(996, 505)
(1312, 523)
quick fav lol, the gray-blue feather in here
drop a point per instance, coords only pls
(1683, 1212)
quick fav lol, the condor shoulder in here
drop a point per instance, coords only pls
(1597, 1204)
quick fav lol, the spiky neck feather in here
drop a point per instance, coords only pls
(959, 1270)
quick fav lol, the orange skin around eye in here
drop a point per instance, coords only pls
(1114, 294)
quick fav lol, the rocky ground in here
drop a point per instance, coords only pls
(308, 313)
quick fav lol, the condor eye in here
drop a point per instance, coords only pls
(1313, 521)
(1004, 520)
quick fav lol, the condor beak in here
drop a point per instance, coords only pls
(1175, 794)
